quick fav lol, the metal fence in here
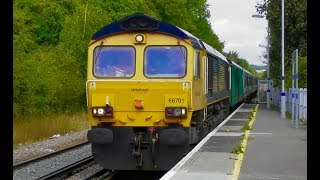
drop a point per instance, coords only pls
(296, 101)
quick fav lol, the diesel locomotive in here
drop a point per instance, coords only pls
(154, 91)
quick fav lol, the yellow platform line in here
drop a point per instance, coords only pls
(239, 159)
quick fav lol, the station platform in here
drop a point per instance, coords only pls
(253, 143)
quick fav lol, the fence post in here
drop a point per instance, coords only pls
(289, 94)
(279, 98)
(305, 105)
(292, 104)
(276, 97)
(289, 100)
(271, 95)
(297, 106)
(301, 103)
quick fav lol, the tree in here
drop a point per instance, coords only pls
(50, 40)
(295, 34)
(234, 56)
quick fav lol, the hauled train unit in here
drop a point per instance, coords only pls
(154, 91)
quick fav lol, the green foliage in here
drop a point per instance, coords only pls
(237, 149)
(50, 40)
(192, 16)
(246, 127)
(43, 127)
(302, 74)
(295, 36)
(234, 56)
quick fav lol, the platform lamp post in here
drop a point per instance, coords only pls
(283, 94)
(268, 59)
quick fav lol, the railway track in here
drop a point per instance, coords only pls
(76, 167)
(67, 162)
(100, 174)
(70, 169)
(37, 159)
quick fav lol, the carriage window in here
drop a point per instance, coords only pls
(165, 61)
(114, 61)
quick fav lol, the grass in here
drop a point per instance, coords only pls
(251, 115)
(300, 121)
(288, 116)
(34, 129)
(246, 127)
(237, 149)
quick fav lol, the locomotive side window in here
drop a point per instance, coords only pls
(222, 78)
(165, 61)
(197, 65)
(211, 61)
(114, 61)
(215, 74)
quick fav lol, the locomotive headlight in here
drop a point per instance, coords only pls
(183, 111)
(139, 38)
(100, 111)
(177, 111)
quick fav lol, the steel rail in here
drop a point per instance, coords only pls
(37, 159)
(102, 173)
(67, 169)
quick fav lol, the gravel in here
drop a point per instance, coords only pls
(38, 169)
(30, 151)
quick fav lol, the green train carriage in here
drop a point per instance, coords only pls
(237, 85)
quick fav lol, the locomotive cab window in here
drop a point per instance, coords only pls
(114, 62)
(165, 61)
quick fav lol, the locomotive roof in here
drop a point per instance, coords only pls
(214, 52)
(143, 22)
(245, 70)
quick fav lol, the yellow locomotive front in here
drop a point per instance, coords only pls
(139, 84)
(140, 93)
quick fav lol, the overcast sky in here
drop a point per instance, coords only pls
(231, 20)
